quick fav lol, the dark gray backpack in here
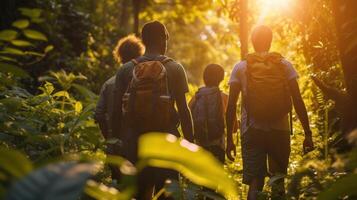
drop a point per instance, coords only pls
(207, 114)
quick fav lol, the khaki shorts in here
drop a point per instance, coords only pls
(261, 149)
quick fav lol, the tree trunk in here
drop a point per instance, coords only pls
(136, 12)
(243, 27)
(345, 20)
(124, 15)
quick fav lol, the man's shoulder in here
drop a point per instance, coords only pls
(173, 62)
(240, 66)
(286, 62)
(110, 81)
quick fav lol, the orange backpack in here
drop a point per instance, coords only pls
(147, 104)
(268, 97)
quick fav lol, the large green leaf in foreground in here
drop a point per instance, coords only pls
(55, 182)
(167, 151)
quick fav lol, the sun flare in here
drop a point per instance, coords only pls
(272, 6)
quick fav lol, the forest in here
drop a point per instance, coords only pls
(55, 56)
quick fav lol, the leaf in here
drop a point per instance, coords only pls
(14, 163)
(78, 107)
(47, 88)
(12, 104)
(13, 69)
(85, 92)
(345, 186)
(32, 13)
(8, 35)
(21, 24)
(14, 51)
(188, 159)
(62, 94)
(32, 34)
(49, 48)
(100, 191)
(37, 20)
(5, 58)
(55, 182)
(21, 43)
(33, 53)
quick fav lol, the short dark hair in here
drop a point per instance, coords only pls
(262, 37)
(153, 33)
(128, 48)
(213, 75)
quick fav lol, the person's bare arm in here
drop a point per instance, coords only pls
(185, 117)
(234, 91)
(300, 109)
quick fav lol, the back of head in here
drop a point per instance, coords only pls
(213, 75)
(154, 35)
(128, 48)
(262, 37)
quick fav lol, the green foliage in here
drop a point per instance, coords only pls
(186, 158)
(56, 181)
(14, 164)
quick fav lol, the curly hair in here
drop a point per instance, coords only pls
(128, 48)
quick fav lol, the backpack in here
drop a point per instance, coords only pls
(147, 104)
(207, 115)
(268, 98)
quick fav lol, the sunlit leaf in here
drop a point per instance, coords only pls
(14, 163)
(102, 192)
(37, 20)
(78, 107)
(49, 48)
(21, 24)
(62, 94)
(13, 69)
(33, 53)
(179, 154)
(14, 51)
(32, 13)
(21, 43)
(32, 34)
(6, 58)
(47, 88)
(56, 182)
(8, 35)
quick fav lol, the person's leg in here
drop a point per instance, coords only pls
(254, 161)
(145, 184)
(278, 159)
(161, 175)
(255, 186)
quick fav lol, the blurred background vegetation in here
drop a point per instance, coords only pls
(56, 54)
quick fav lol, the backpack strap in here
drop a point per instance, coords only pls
(166, 60)
(135, 61)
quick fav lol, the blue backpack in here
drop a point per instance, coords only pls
(207, 114)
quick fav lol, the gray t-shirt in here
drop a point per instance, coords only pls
(239, 76)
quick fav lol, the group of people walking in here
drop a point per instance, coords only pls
(148, 94)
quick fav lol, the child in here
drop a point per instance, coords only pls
(208, 108)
